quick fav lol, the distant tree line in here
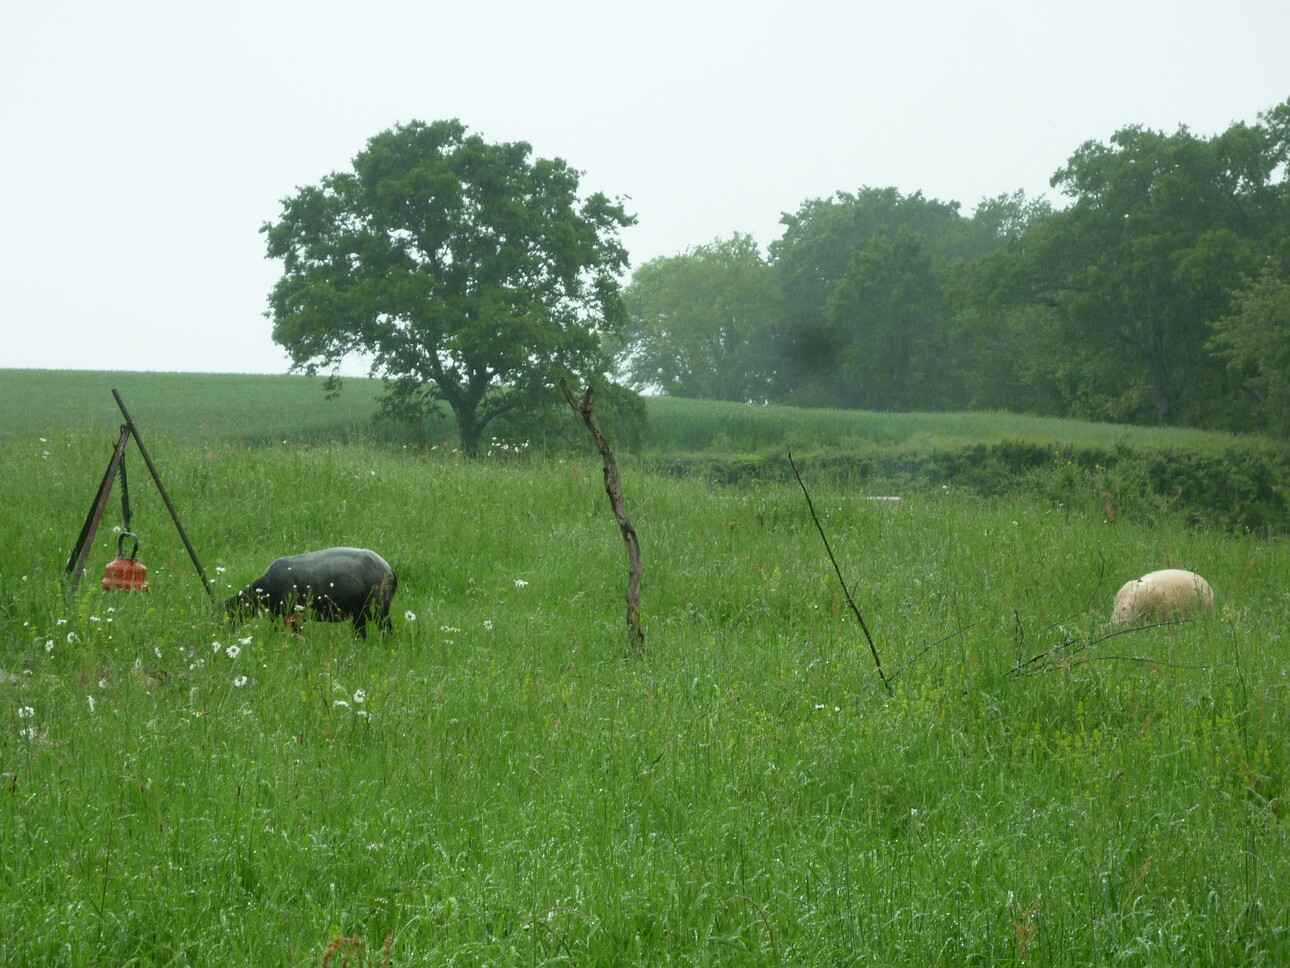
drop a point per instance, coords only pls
(1159, 294)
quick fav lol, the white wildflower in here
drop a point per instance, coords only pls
(520, 583)
(233, 651)
(90, 699)
(72, 638)
(360, 697)
(240, 681)
(25, 712)
(409, 616)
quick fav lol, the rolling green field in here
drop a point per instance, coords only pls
(499, 782)
(257, 409)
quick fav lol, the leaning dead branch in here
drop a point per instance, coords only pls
(586, 408)
(873, 649)
(1073, 649)
(910, 662)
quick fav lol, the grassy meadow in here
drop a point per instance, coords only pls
(499, 782)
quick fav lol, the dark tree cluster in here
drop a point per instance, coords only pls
(1158, 293)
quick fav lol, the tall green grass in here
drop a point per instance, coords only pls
(499, 782)
(689, 426)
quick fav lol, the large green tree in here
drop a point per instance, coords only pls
(1162, 228)
(696, 322)
(470, 272)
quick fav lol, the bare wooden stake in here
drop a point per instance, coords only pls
(614, 488)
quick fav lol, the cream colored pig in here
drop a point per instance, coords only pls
(1165, 595)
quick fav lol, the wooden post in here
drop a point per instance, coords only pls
(586, 408)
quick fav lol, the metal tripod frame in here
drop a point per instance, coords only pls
(76, 562)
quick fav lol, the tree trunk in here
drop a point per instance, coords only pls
(1161, 392)
(469, 429)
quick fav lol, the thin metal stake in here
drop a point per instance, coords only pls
(76, 563)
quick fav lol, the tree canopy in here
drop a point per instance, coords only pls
(1161, 231)
(1255, 343)
(470, 272)
(696, 322)
(886, 319)
(1156, 294)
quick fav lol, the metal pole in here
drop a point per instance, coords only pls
(76, 563)
(174, 515)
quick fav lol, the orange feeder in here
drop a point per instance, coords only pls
(126, 573)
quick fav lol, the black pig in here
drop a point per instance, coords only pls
(331, 585)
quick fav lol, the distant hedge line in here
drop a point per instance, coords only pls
(1238, 488)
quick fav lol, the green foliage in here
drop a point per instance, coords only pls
(495, 782)
(887, 320)
(1105, 309)
(621, 413)
(820, 323)
(470, 274)
(813, 256)
(1241, 489)
(1161, 230)
(698, 322)
(1255, 341)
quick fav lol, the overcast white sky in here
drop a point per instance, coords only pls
(145, 143)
